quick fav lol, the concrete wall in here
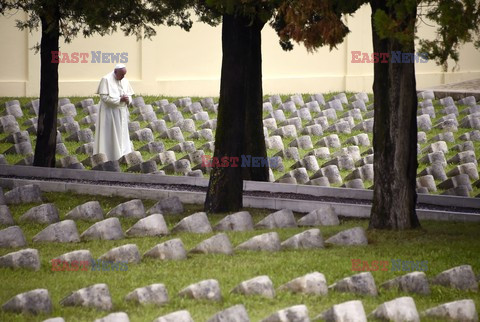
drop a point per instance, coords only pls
(180, 63)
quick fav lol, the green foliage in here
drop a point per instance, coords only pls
(385, 26)
(210, 11)
(251, 8)
(458, 23)
(397, 21)
(318, 23)
(132, 17)
(314, 23)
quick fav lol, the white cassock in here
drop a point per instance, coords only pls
(111, 133)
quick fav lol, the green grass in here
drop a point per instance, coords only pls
(443, 245)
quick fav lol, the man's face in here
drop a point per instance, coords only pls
(120, 73)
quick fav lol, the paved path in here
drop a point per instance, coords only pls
(458, 90)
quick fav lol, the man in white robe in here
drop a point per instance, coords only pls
(111, 134)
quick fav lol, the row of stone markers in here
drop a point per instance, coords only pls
(66, 231)
(458, 180)
(461, 277)
(288, 137)
(110, 229)
(400, 309)
(92, 211)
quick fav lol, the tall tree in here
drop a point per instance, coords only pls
(240, 128)
(65, 19)
(45, 146)
(395, 119)
(239, 133)
(393, 22)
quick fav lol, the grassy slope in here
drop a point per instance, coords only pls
(72, 146)
(443, 245)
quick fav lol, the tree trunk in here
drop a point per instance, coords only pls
(47, 115)
(395, 130)
(254, 139)
(239, 128)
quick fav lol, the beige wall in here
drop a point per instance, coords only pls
(179, 63)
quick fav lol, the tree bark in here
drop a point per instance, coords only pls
(47, 115)
(239, 128)
(395, 131)
(254, 139)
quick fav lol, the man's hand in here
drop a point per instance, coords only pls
(124, 98)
